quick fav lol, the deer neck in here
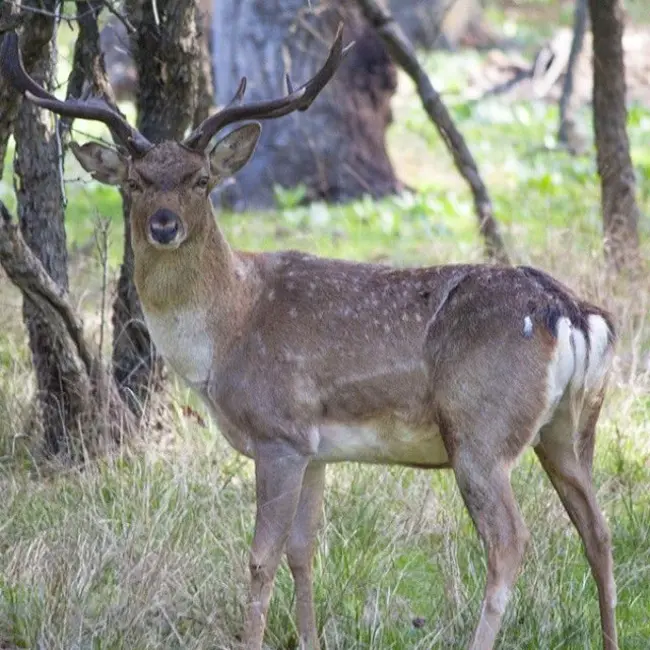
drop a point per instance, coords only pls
(204, 275)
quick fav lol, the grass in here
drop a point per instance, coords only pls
(148, 549)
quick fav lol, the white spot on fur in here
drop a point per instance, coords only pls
(528, 327)
(184, 341)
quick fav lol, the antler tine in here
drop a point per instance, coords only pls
(239, 95)
(11, 64)
(299, 99)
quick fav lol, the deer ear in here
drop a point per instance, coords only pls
(105, 164)
(233, 151)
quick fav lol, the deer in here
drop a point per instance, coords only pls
(304, 361)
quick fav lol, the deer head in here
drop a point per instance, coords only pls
(169, 183)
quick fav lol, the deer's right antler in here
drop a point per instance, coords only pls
(11, 65)
(299, 99)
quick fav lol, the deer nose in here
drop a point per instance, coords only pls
(164, 225)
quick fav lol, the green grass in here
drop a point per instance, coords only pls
(148, 550)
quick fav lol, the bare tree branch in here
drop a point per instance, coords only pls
(130, 29)
(402, 52)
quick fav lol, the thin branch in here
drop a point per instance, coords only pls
(402, 52)
(130, 29)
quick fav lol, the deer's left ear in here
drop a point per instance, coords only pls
(233, 151)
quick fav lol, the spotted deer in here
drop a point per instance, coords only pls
(304, 361)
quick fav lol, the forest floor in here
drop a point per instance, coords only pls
(148, 549)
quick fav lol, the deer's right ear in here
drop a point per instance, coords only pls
(105, 164)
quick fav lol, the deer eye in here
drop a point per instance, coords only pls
(202, 182)
(132, 184)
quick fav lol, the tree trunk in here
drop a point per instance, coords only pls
(79, 403)
(567, 130)
(39, 189)
(205, 96)
(9, 98)
(337, 147)
(618, 183)
(165, 48)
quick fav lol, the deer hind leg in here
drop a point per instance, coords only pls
(568, 462)
(300, 552)
(488, 496)
(279, 472)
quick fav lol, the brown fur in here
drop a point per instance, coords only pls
(314, 360)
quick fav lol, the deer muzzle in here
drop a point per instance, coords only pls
(165, 228)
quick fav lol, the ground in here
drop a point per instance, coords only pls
(148, 549)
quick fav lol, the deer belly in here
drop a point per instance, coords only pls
(185, 345)
(381, 443)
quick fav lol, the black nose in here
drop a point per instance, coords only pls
(164, 226)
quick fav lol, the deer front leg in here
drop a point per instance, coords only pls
(300, 552)
(279, 472)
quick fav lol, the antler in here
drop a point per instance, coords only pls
(297, 100)
(11, 64)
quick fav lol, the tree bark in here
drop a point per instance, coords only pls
(402, 51)
(165, 48)
(205, 93)
(79, 403)
(566, 130)
(39, 190)
(9, 98)
(618, 183)
(336, 148)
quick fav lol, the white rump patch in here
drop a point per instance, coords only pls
(599, 351)
(562, 366)
(580, 354)
(577, 365)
